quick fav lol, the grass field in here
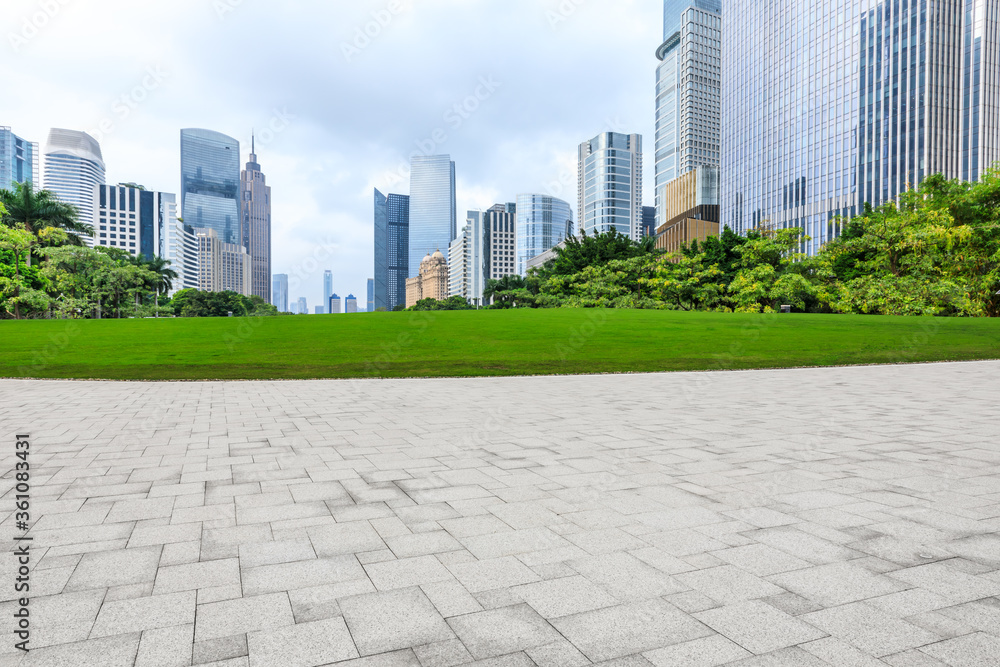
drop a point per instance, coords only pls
(484, 343)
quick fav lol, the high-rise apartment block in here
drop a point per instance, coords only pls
(335, 305)
(351, 304)
(832, 105)
(19, 161)
(279, 292)
(500, 247)
(221, 266)
(467, 260)
(433, 220)
(139, 221)
(210, 183)
(687, 90)
(256, 232)
(543, 222)
(74, 167)
(610, 184)
(392, 248)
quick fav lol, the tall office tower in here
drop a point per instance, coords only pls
(351, 304)
(370, 306)
(256, 232)
(687, 90)
(74, 167)
(467, 260)
(327, 285)
(610, 184)
(543, 222)
(432, 207)
(648, 221)
(210, 183)
(833, 105)
(221, 267)
(140, 221)
(279, 292)
(334, 305)
(500, 241)
(303, 306)
(392, 249)
(19, 160)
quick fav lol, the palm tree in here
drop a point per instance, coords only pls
(165, 277)
(41, 209)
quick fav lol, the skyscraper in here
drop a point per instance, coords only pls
(500, 246)
(610, 184)
(221, 267)
(334, 305)
(210, 183)
(279, 292)
(256, 232)
(327, 285)
(392, 248)
(303, 306)
(140, 221)
(19, 161)
(351, 304)
(433, 218)
(74, 167)
(687, 90)
(467, 260)
(832, 105)
(370, 306)
(543, 222)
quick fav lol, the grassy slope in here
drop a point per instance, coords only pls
(476, 343)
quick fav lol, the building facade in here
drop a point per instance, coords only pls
(433, 219)
(543, 222)
(19, 161)
(648, 221)
(141, 222)
(335, 305)
(210, 183)
(689, 209)
(830, 106)
(500, 246)
(303, 307)
(370, 306)
(467, 260)
(74, 167)
(351, 304)
(687, 89)
(221, 267)
(610, 184)
(432, 281)
(392, 249)
(279, 292)
(256, 231)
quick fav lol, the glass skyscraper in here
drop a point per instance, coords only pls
(256, 232)
(543, 222)
(19, 160)
(74, 167)
(210, 183)
(687, 90)
(392, 248)
(433, 221)
(610, 184)
(370, 307)
(832, 105)
(279, 292)
(327, 285)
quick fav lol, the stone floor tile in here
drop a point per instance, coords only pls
(758, 627)
(786, 657)
(443, 654)
(422, 544)
(166, 647)
(760, 559)
(626, 577)
(870, 629)
(495, 632)
(704, 652)
(105, 569)
(345, 538)
(975, 650)
(484, 575)
(615, 632)
(393, 620)
(564, 596)
(300, 574)
(275, 553)
(145, 613)
(948, 582)
(118, 651)
(837, 583)
(836, 652)
(222, 648)
(407, 572)
(451, 598)
(243, 615)
(728, 584)
(302, 645)
(192, 576)
(557, 654)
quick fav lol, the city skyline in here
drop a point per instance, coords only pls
(520, 135)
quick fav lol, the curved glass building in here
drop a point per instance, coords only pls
(74, 167)
(543, 222)
(210, 183)
(610, 184)
(433, 216)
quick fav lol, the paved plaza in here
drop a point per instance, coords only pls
(796, 518)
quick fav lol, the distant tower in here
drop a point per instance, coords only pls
(256, 232)
(351, 304)
(210, 183)
(74, 167)
(19, 160)
(327, 286)
(279, 296)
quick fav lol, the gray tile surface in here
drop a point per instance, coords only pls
(842, 517)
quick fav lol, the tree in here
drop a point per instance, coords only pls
(687, 282)
(579, 253)
(15, 290)
(41, 209)
(164, 277)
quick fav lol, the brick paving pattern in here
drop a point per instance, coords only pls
(845, 517)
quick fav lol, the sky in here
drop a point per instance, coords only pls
(340, 93)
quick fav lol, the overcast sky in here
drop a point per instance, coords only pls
(337, 111)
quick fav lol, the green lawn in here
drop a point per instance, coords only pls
(520, 342)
